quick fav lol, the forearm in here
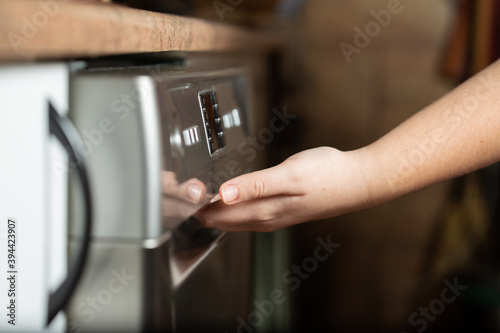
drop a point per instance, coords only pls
(455, 135)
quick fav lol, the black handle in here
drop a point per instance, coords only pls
(66, 133)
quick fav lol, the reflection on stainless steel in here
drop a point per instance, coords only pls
(152, 166)
(176, 204)
(219, 290)
(185, 261)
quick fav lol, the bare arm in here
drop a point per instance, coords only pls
(455, 135)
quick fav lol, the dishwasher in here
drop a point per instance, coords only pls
(146, 131)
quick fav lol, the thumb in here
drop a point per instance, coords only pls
(255, 185)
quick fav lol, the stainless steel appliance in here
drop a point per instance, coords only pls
(148, 132)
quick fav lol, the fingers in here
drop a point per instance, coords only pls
(256, 185)
(301, 188)
(267, 214)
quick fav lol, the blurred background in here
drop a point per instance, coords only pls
(400, 264)
(394, 258)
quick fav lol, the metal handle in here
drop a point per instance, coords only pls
(65, 132)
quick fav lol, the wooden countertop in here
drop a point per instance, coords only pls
(55, 29)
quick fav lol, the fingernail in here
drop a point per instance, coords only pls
(216, 198)
(229, 193)
(194, 193)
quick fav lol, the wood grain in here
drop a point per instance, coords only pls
(55, 29)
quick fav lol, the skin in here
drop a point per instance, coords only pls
(455, 135)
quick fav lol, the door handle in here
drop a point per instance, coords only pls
(62, 128)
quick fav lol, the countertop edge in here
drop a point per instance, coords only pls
(54, 29)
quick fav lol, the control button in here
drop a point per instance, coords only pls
(191, 135)
(221, 137)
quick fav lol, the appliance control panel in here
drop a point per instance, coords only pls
(207, 121)
(212, 121)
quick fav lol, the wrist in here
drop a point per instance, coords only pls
(381, 173)
(362, 161)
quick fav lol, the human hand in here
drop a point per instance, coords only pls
(312, 184)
